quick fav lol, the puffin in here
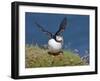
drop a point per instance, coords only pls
(56, 40)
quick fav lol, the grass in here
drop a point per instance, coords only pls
(39, 57)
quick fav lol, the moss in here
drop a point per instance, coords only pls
(38, 57)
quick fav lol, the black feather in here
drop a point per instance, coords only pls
(43, 30)
(62, 26)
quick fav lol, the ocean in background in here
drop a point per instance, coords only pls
(76, 34)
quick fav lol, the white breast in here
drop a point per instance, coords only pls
(54, 46)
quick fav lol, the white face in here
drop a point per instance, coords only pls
(59, 38)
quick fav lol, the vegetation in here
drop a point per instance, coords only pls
(39, 57)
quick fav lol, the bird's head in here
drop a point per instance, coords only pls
(59, 38)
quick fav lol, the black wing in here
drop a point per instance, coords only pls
(43, 30)
(62, 26)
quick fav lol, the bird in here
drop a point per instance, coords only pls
(56, 40)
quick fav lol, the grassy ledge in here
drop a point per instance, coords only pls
(39, 57)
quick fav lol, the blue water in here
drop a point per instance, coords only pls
(76, 34)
